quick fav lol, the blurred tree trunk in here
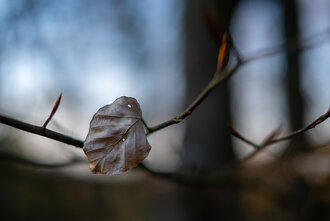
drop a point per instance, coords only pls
(207, 144)
(296, 102)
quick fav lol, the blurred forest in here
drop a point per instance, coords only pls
(163, 53)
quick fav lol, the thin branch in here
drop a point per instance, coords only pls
(294, 47)
(218, 78)
(41, 131)
(56, 105)
(318, 121)
(221, 77)
(270, 140)
(236, 134)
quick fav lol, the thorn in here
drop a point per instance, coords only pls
(56, 105)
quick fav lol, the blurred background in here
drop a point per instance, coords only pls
(163, 53)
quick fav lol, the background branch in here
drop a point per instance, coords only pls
(271, 139)
(221, 76)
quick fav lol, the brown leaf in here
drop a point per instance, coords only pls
(116, 141)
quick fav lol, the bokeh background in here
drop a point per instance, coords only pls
(163, 53)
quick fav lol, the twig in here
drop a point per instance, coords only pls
(218, 78)
(222, 76)
(294, 47)
(235, 133)
(56, 105)
(41, 131)
(319, 120)
(269, 141)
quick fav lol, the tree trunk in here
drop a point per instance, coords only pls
(207, 144)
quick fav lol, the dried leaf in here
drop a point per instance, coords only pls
(116, 141)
